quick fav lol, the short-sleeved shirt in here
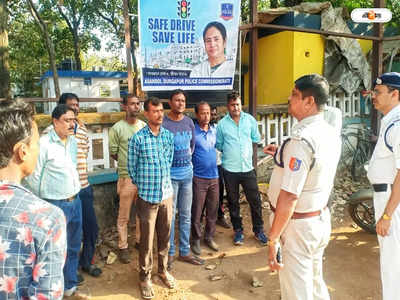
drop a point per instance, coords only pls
(384, 163)
(81, 135)
(235, 141)
(184, 136)
(149, 163)
(32, 245)
(205, 155)
(312, 186)
(118, 138)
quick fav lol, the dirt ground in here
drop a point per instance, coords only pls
(351, 270)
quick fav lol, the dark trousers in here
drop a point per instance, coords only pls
(89, 227)
(205, 195)
(153, 218)
(221, 192)
(248, 180)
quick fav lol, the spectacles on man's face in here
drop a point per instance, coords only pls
(377, 92)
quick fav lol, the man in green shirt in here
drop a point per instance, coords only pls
(119, 136)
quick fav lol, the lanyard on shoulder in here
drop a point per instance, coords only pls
(280, 162)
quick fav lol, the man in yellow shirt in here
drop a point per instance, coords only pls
(119, 136)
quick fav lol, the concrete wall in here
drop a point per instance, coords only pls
(106, 204)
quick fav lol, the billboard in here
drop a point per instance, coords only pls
(188, 44)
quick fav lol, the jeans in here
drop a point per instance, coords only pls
(182, 200)
(89, 227)
(248, 180)
(73, 215)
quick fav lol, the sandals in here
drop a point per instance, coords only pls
(146, 289)
(170, 262)
(192, 259)
(168, 280)
(92, 270)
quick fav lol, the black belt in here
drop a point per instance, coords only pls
(380, 187)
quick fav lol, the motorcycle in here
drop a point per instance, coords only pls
(361, 209)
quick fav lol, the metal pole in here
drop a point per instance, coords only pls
(128, 47)
(253, 69)
(253, 59)
(310, 30)
(377, 62)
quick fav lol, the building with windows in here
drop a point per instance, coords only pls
(86, 84)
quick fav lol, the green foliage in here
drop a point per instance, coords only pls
(110, 19)
(28, 55)
(261, 5)
(113, 63)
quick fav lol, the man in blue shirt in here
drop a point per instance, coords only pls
(150, 153)
(182, 175)
(205, 179)
(56, 180)
(236, 133)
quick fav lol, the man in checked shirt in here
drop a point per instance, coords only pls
(150, 154)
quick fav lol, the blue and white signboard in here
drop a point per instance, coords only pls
(188, 44)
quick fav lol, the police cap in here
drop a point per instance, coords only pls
(390, 79)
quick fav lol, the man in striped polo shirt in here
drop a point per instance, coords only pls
(89, 222)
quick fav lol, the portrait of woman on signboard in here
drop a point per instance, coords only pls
(216, 65)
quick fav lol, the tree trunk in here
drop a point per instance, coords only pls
(5, 91)
(52, 56)
(77, 50)
(128, 46)
(135, 69)
(49, 45)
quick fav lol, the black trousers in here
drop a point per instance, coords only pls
(221, 192)
(248, 181)
(89, 227)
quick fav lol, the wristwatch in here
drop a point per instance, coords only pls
(271, 242)
(386, 217)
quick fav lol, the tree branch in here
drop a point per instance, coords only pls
(109, 20)
(36, 16)
(71, 28)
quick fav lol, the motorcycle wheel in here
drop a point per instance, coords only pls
(363, 214)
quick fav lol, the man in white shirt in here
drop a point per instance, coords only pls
(299, 190)
(384, 175)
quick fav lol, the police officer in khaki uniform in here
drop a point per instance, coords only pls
(300, 186)
(383, 173)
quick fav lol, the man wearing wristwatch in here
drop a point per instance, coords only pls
(384, 175)
(300, 186)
